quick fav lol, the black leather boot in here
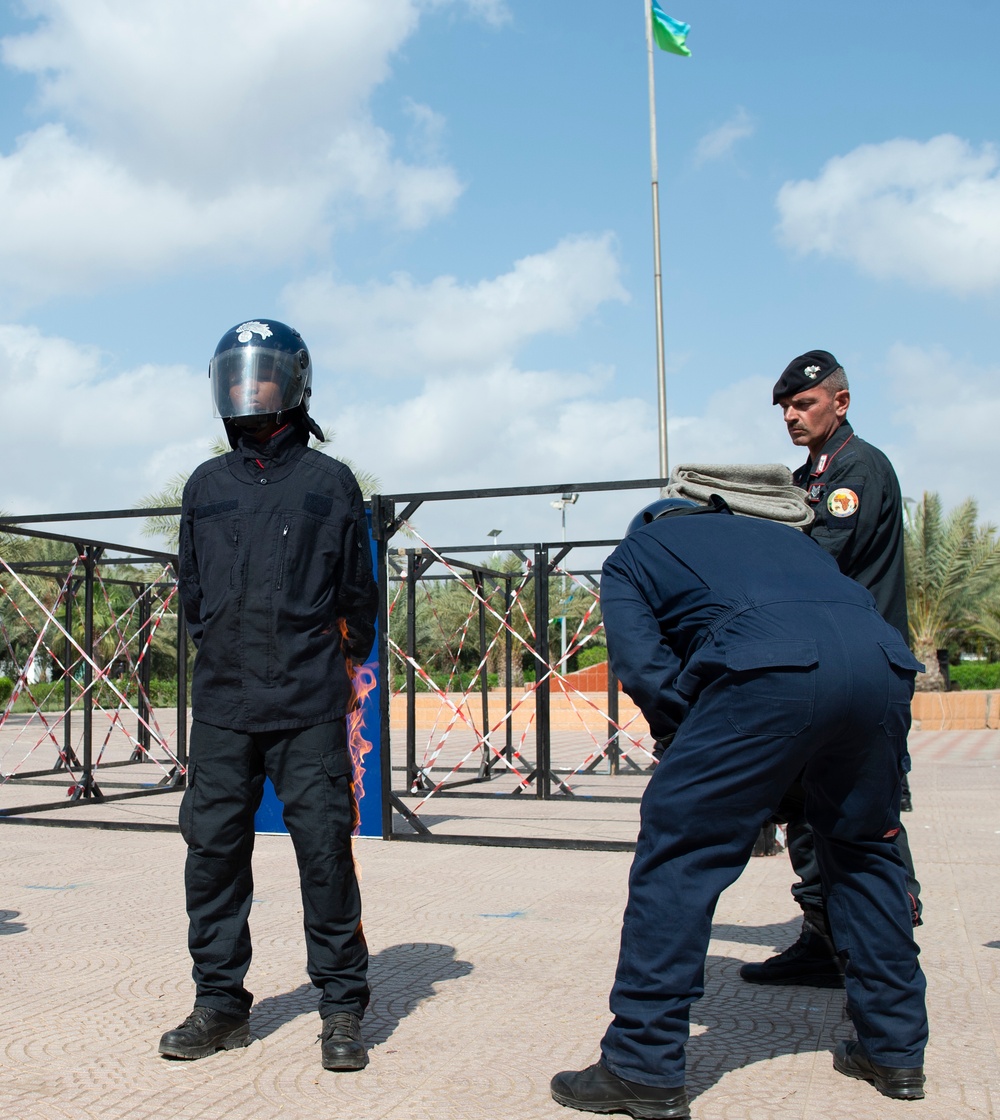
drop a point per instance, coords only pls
(203, 1032)
(597, 1089)
(342, 1046)
(891, 1081)
(905, 797)
(811, 961)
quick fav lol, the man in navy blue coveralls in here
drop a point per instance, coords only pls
(752, 656)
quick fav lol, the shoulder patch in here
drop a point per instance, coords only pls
(320, 504)
(214, 508)
(843, 502)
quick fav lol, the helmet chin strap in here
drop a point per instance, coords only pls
(314, 428)
(256, 423)
(250, 425)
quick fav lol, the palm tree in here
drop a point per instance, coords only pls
(13, 547)
(952, 572)
(447, 624)
(987, 626)
(20, 619)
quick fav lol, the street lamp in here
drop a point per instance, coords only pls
(493, 534)
(561, 504)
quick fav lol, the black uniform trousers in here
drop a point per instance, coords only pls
(311, 772)
(842, 724)
(808, 891)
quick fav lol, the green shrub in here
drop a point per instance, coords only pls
(460, 682)
(591, 655)
(50, 696)
(6, 688)
(970, 675)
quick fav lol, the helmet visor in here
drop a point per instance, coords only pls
(254, 381)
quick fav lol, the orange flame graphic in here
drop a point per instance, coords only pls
(363, 681)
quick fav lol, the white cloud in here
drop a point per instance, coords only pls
(402, 328)
(737, 425)
(927, 212)
(93, 438)
(722, 140)
(502, 427)
(495, 12)
(360, 167)
(182, 131)
(428, 129)
(187, 90)
(949, 409)
(70, 217)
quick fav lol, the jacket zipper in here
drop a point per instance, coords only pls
(281, 558)
(236, 555)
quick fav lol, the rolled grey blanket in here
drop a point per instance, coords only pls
(755, 490)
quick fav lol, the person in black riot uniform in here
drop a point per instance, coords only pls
(749, 673)
(855, 496)
(276, 581)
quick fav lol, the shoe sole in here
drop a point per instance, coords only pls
(236, 1041)
(633, 1108)
(797, 981)
(344, 1066)
(914, 1093)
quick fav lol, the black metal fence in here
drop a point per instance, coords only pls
(460, 749)
(77, 629)
(518, 760)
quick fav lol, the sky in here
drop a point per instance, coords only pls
(450, 199)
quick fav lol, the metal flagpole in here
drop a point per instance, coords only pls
(661, 377)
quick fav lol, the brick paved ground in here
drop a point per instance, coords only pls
(490, 972)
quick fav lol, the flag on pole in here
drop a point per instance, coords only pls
(670, 34)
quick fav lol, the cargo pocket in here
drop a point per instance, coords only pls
(903, 666)
(342, 806)
(337, 762)
(772, 687)
(185, 817)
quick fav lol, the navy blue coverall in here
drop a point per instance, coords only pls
(742, 639)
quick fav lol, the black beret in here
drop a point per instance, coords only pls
(803, 372)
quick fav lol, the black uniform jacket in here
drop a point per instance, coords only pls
(688, 599)
(274, 553)
(854, 493)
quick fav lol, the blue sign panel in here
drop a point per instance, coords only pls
(364, 723)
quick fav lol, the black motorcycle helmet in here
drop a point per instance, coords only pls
(261, 373)
(675, 507)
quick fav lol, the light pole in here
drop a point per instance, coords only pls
(493, 534)
(561, 504)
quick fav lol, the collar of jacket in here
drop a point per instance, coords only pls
(833, 446)
(274, 459)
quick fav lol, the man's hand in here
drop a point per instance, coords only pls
(662, 744)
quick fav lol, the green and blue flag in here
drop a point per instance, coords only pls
(670, 34)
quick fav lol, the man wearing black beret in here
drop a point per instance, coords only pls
(854, 493)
